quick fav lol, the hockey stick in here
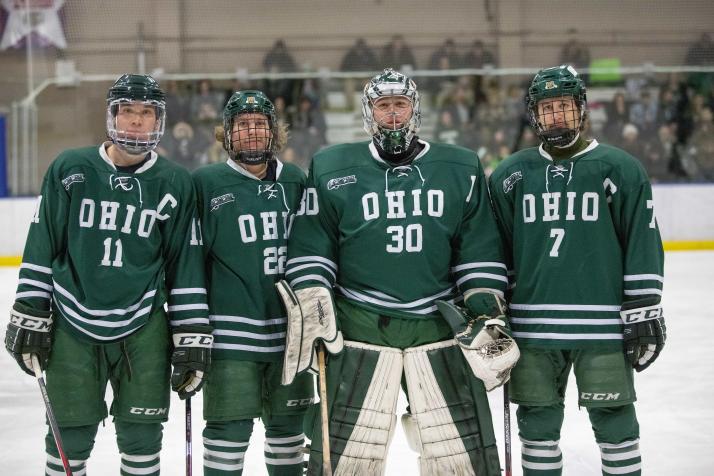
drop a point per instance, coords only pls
(50, 415)
(507, 428)
(188, 437)
(326, 464)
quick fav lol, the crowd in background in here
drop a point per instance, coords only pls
(666, 122)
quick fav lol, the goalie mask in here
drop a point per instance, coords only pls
(555, 123)
(131, 93)
(394, 131)
(250, 127)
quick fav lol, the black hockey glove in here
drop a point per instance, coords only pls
(191, 359)
(644, 334)
(29, 332)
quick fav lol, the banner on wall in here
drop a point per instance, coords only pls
(31, 20)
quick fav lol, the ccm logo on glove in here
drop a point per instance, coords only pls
(641, 314)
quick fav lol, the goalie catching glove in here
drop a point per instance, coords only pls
(191, 359)
(311, 317)
(29, 332)
(485, 339)
(644, 333)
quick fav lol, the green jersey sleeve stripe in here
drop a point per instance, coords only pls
(563, 307)
(307, 259)
(642, 292)
(250, 348)
(644, 277)
(311, 265)
(36, 284)
(39, 294)
(177, 291)
(249, 335)
(247, 320)
(563, 336)
(565, 321)
(35, 267)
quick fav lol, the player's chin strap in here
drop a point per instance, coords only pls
(484, 340)
(311, 317)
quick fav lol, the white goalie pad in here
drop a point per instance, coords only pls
(430, 427)
(369, 437)
(311, 318)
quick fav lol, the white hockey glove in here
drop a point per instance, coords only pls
(644, 334)
(29, 332)
(191, 359)
(485, 340)
(311, 317)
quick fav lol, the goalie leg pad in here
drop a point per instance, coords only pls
(449, 422)
(363, 386)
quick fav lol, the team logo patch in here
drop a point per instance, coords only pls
(250, 100)
(336, 183)
(222, 200)
(551, 85)
(511, 181)
(74, 178)
(124, 183)
(270, 190)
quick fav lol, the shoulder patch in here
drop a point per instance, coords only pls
(335, 183)
(221, 200)
(511, 181)
(69, 180)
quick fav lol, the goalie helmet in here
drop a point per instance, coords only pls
(250, 102)
(392, 140)
(136, 88)
(559, 81)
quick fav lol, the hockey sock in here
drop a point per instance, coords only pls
(539, 431)
(224, 446)
(140, 447)
(284, 441)
(78, 442)
(617, 433)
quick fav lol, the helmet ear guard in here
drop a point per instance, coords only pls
(559, 81)
(391, 83)
(250, 102)
(133, 89)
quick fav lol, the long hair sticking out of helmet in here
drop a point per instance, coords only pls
(393, 140)
(132, 89)
(252, 150)
(559, 81)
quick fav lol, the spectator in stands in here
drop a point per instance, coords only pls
(184, 146)
(178, 104)
(701, 53)
(308, 127)
(205, 103)
(575, 53)
(460, 105)
(643, 114)
(659, 155)
(279, 59)
(446, 129)
(630, 141)
(618, 114)
(447, 50)
(360, 57)
(700, 149)
(397, 54)
(478, 56)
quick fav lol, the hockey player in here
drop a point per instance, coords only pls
(247, 206)
(585, 251)
(108, 245)
(388, 227)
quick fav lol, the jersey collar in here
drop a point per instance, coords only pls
(590, 147)
(105, 157)
(375, 154)
(232, 164)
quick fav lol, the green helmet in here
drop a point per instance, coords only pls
(391, 83)
(136, 88)
(555, 82)
(247, 102)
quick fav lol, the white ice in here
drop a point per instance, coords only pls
(675, 413)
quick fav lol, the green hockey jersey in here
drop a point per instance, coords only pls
(393, 239)
(106, 248)
(246, 223)
(581, 239)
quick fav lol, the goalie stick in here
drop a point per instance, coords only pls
(51, 415)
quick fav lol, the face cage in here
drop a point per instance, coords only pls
(136, 146)
(391, 140)
(253, 156)
(556, 137)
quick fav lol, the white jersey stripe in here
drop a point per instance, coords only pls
(562, 336)
(248, 348)
(565, 322)
(247, 320)
(478, 264)
(98, 337)
(249, 335)
(295, 269)
(188, 291)
(563, 307)
(102, 323)
(35, 267)
(307, 259)
(101, 313)
(644, 277)
(310, 277)
(187, 307)
(469, 276)
(25, 294)
(35, 283)
(640, 292)
(357, 295)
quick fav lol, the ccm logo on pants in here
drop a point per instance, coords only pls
(148, 411)
(599, 396)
